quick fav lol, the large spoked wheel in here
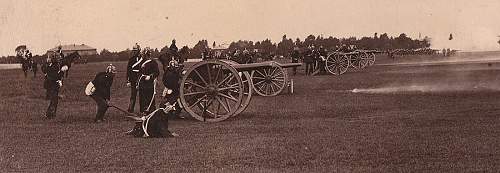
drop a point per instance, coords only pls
(371, 59)
(247, 88)
(211, 91)
(337, 63)
(364, 57)
(355, 60)
(269, 80)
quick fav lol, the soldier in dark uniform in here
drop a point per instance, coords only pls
(52, 83)
(308, 60)
(171, 80)
(133, 68)
(102, 93)
(173, 49)
(183, 53)
(154, 125)
(322, 59)
(205, 54)
(295, 58)
(147, 83)
(34, 67)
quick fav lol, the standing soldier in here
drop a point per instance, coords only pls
(52, 83)
(59, 53)
(308, 60)
(322, 54)
(102, 91)
(133, 67)
(295, 58)
(147, 83)
(173, 48)
(183, 53)
(34, 68)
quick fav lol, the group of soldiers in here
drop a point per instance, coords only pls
(142, 76)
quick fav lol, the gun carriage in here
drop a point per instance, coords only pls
(214, 90)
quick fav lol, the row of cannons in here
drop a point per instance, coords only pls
(337, 63)
(214, 90)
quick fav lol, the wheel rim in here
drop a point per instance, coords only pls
(247, 92)
(247, 88)
(211, 91)
(371, 60)
(269, 81)
(337, 64)
(355, 60)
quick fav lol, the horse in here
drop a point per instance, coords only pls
(25, 64)
(68, 60)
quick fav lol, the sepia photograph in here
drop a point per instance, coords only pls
(249, 86)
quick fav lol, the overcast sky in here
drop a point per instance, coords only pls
(118, 24)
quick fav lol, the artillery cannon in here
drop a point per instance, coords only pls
(337, 63)
(214, 90)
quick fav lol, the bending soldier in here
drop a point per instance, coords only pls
(102, 91)
(322, 59)
(171, 80)
(133, 67)
(147, 83)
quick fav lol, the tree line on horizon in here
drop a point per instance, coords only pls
(382, 42)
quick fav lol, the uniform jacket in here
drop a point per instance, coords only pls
(133, 68)
(171, 80)
(53, 74)
(102, 83)
(295, 56)
(148, 68)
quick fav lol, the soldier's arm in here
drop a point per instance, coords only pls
(129, 70)
(156, 70)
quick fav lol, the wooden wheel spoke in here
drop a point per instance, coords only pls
(279, 74)
(198, 101)
(227, 88)
(228, 77)
(195, 93)
(282, 80)
(228, 97)
(209, 74)
(258, 83)
(226, 107)
(258, 71)
(195, 84)
(201, 77)
(274, 70)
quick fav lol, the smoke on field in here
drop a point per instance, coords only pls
(449, 78)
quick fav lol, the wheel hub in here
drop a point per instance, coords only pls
(268, 79)
(212, 90)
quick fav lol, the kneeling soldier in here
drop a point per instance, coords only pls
(155, 124)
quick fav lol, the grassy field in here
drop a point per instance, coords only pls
(449, 124)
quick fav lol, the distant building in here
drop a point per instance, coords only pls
(82, 49)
